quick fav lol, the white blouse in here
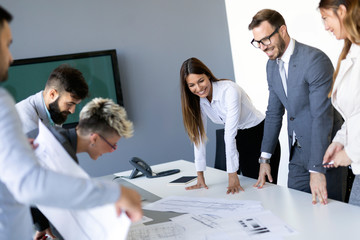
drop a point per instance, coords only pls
(232, 107)
(346, 99)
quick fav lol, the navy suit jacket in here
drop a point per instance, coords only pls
(310, 113)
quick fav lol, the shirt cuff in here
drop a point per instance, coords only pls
(200, 166)
(231, 170)
(266, 155)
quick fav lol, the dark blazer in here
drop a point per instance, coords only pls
(310, 113)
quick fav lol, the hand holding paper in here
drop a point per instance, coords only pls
(130, 202)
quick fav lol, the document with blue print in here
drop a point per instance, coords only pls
(95, 223)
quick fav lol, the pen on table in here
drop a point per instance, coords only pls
(325, 164)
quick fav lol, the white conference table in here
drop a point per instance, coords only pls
(336, 220)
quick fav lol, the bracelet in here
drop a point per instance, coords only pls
(264, 160)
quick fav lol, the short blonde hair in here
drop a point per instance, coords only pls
(103, 116)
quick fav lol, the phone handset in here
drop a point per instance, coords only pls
(143, 167)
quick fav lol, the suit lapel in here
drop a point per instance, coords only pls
(294, 72)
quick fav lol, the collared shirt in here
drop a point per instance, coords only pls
(286, 59)
(47, 111)
(232, 107)
(24, 182)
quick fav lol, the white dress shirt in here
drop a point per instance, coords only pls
(24, 182)
(232, 107)
(346, 99)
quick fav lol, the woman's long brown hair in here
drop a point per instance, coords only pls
(351, 24)
(190, 103)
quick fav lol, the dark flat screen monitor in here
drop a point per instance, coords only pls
(100, 70)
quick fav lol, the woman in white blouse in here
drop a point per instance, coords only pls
(223, 102)
(342, 18)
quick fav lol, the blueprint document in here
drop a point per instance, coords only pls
(96, 223)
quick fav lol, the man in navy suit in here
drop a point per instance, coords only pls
(299, 80)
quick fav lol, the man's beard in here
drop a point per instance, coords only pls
(281, 47)
(56, 115)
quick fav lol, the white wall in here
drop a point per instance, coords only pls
(304, 24)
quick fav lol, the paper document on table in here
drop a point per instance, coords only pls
(94, 223)
(214, 218)
(257, 225)
(217, 206)
(261, 225)
(159, 231)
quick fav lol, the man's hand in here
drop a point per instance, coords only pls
(234, 184)
(265, 170)
(200, 182)
(130, 202)
(318, 187)
(42, 235)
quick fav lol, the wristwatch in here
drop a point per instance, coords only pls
(264, 160)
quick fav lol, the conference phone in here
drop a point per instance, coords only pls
(141, 166)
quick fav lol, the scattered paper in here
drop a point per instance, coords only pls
(183, 204)
(212, 219)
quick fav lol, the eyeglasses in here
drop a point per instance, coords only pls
(114, 147)
(265, 41)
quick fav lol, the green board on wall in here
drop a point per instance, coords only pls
(100, 70)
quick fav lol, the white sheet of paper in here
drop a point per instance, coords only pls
(182, 204)
(213, 218)
(257, 225)
(95, 223)
(159, 231)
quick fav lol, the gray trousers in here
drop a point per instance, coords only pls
(355, 192)
(299, 176)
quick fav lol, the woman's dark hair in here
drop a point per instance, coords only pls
(190, 103)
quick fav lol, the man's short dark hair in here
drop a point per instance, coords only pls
(4, 16)
(69, 79)
(273, 17)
